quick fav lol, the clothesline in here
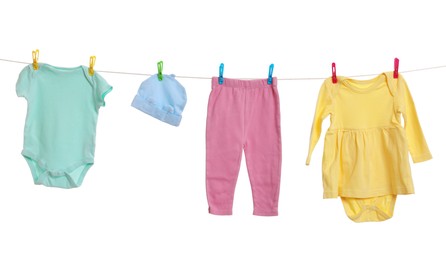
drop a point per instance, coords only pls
(197, 77)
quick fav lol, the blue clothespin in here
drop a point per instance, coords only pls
(220, 74)
(270, 74)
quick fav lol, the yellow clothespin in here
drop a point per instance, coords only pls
(35, 59)
(92, 62)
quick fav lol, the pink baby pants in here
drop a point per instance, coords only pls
(243, 115)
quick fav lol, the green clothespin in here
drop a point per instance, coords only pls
(160, 70)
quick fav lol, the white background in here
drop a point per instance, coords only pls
(145, 196)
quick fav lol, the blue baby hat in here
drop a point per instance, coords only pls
(163, 99)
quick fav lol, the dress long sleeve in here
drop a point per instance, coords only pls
(418, 148)
(323, 109)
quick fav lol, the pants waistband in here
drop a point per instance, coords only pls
(243, 83)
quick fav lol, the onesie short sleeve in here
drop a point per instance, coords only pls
(102, 88)
(24, 82)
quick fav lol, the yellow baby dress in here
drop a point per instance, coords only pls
(365, 158)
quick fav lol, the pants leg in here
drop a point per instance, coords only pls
(224, 137)
(263, 147)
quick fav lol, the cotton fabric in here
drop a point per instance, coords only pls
(162, 99)
(243, 115)
(365, 159)
(60, 127)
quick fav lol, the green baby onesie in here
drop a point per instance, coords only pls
(60, 127)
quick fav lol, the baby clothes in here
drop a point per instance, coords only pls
(243, 115)
(60, 127)
(163, 99)
(365, 159)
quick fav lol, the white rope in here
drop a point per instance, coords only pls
(195, 77)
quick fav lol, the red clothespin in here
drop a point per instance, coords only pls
(395, 68)
(333, 73)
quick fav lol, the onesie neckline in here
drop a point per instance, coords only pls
(373, 83)
(63, 68)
